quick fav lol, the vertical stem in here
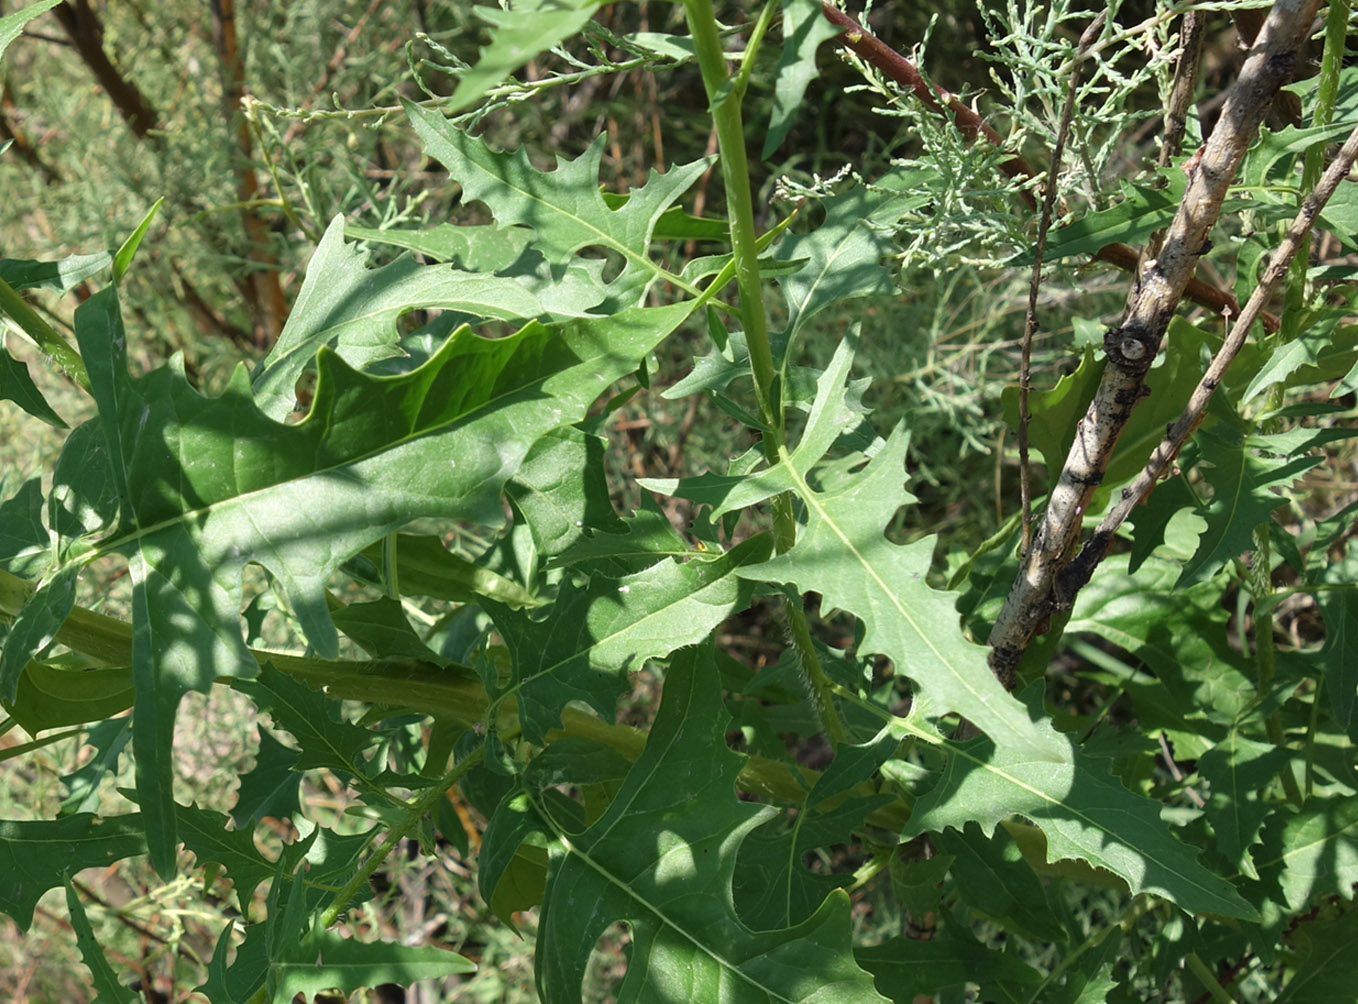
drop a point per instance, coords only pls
(725, 109)
(1208, 979)
(1327, 91)
(418, 810)
(724, 98)
(1261, 585)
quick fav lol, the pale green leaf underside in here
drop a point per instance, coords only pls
(12, 24)
(353, 309)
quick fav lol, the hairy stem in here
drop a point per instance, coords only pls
(724, 96)
(420, 808)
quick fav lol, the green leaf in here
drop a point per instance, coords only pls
(843, 259)
(844, 555)
(35, 627)
(1055, 412)
(1143, 210)
(102, 976)
(1237, 771)
(992, 876)
(207, 835)
(1310, 854)
(804, 29)
(353, 309)
(51, 696)
(36, 856)
(1326, 975)
(17, 386)
(646, 536)
(906, 969)
(518, 33)
(323, 960)
(122, 258)
(1272, 147)
(12, 24)
(218, 483)
(61, 276)
(311, 718)
(25, 549)
(564, 207)
(593, 635)
(561, 492)
(1339, 606)
(271, 787)
(108, 738)
(485, 249)
(1084, 813)
(1242, 498)
(1194, 671)
(1318, 333)
(661, 858)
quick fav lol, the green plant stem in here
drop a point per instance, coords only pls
(820, 685)
(725, 108)
(421, 807)
(1208, 979)
(1265, 656)
(1327, 91)
(44, 336)
(724, 97)
(752, 48)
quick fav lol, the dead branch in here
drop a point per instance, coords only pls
(1133, 344)
(86, 32)
(1078, 572)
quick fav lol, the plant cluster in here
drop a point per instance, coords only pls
(1068, 767)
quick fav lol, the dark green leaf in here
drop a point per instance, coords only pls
(36, 856)
(61, 276)
(594, 635)
(102, 976)
(17, 386)
(804, 29)
(662, 858)
(271, 787)
(905, 969)
(25, 549)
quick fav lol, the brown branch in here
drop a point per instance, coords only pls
(263, 291)
(1035, 279)
(1132, 346)
(898, 68)
(1095, 549)
(86, 32)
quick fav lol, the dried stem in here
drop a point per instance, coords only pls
(1035, 282)
(1131, 346)
(1077, 574)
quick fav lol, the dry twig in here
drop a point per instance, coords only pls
(1133, 344)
